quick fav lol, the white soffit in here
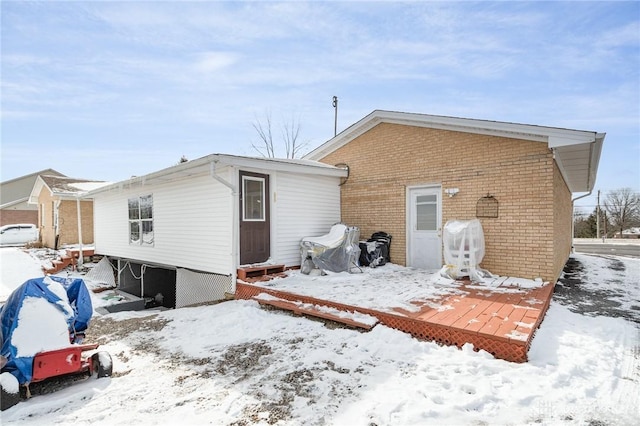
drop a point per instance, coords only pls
(579, 163)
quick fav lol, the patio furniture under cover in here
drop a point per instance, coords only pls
(375, 251)
(464, 250)
(337, 251)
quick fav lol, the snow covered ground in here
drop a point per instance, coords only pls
(234, 363)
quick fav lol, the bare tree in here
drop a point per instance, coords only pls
(623, 206)
(290, 138)
(265, 146)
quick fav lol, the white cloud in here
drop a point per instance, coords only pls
(202, 70)
(209, 62)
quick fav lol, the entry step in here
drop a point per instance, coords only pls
(258, 271)
(353, 319)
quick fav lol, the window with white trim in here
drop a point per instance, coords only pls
(141, 220)
(253, 199)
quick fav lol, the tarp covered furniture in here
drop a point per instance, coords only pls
(375, 251)
(463, 242)
(337, 251)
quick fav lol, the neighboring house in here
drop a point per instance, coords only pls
(181, 233)
(411, 173)
(14, 195)
(633, 233)
(58, 203)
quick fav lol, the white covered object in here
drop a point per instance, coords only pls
(331, 240)
(336, 251)
(464, 249)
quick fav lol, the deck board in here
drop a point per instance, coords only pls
(500, 320)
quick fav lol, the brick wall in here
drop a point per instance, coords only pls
(8, 217)
(563, 217)
(45, 218)
(67, 220)
(389, 158)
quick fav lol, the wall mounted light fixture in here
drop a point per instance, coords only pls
(451, 191)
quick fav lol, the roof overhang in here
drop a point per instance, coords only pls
(577, 152)
(13, 203)
(578, 163)
(211, 163)
(37, 188)
(40, 184)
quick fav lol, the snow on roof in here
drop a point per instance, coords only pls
(67, 185)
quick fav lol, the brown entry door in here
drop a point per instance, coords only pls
(254, 218)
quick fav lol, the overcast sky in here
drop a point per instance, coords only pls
(106, 90)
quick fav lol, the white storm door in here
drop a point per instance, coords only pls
(424, 227)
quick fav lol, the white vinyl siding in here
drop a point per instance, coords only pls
(193, 219)
(192, 224)
(304, 206)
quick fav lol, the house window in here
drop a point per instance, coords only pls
(42, 216)
(141, 220)
(253, 200)
(427, 212)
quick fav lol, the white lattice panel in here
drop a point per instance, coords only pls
(102, 273)
(198, 287)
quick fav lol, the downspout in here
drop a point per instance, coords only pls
(235, 222)
(582, 196)
(573, 217)
(80, 255)
(56, 223)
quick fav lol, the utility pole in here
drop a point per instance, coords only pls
(598, 216)
(335, 120)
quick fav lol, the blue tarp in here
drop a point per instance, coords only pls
(79, 299)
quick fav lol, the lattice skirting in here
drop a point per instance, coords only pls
(200, 287)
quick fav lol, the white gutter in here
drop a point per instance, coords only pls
(14, 202)
(200, 166)
(218, 178)
(573, 217)
(589, 185)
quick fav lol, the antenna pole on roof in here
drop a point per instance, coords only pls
(335, 120)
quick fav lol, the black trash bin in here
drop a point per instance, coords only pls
(376, 250)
